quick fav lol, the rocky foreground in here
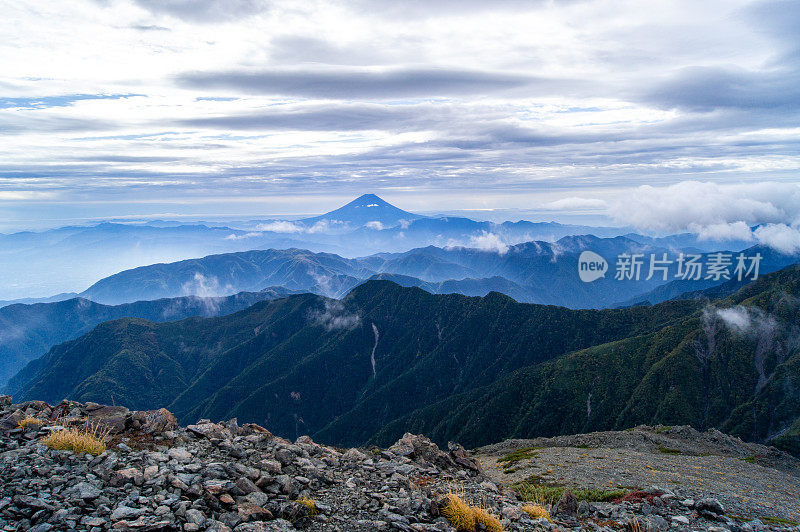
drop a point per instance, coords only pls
(155, 475)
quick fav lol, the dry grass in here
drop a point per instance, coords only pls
(78, 439)
(30, 422)
(490, 522)
(536, 511)
(311, 504)
(465, 518)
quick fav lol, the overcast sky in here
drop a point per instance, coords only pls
(114, 108)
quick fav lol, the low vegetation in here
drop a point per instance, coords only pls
(536, 511)
(667, 450)
(31, 422)
(87, 439)
(540, 494)
(466, 518)
(311, 504)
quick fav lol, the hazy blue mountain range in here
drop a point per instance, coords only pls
(28, 331)
(387, 359)
(531, 272)
(69, 259)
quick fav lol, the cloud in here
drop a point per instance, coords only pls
(574, 203)
(45, 102)
(334, 316)
(700, 88)
(705, 206)
(205, 11)
(327, 118)
(204, 286)
(374, 225)
(282, 226)
(486, 241)
(360, 83)
(781, 237)
(245, 236)
(744, 320)
(25, 195)
(723, 231)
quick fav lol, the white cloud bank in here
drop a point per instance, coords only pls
(767, 213)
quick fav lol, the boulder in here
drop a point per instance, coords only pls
(154, 421)
(712, 506)
(419, 448)
(567, 506)
(110, 418)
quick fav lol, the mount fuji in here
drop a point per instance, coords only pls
(365, 209)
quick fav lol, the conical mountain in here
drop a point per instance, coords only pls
(365, 209)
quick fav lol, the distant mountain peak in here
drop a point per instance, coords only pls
(366, 209)
(367, 198)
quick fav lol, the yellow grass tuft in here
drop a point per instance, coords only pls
(490, 522)
(465, 518)
(536, 511)
(30, 421)
(458, 513)
(78, 439)
(311, 504)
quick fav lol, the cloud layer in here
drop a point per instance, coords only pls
(273, 106)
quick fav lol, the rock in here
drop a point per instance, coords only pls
(710, 505)
(86, 491)
(354, 455)
(567, 506)
(219, 477)
(210, 430)
(121, 513)
(5, 401)
(419, 448)
(461, 457)
(680, 520)
(278, 525)
(110, 418)
(154, 421)
(656, 523)
(246, 485)
(180, 454)
(195, 517)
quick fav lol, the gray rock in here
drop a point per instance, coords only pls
(86, 491)
(126, 512)
(567, 506)
(680, 520)
(710, 505)
(195, 517)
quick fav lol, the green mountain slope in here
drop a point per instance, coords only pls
(299, 362)
(29, 331)
(734, 365)
(388, 359)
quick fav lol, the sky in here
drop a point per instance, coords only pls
(665, 115)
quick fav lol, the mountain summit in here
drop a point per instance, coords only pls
(363, 210)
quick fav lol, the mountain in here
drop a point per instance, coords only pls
(389, 359)
(293, 269)
(365, 209)
(68, 259)
(280, 361)
(734, 365)
(532, 272)
(29, 331)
